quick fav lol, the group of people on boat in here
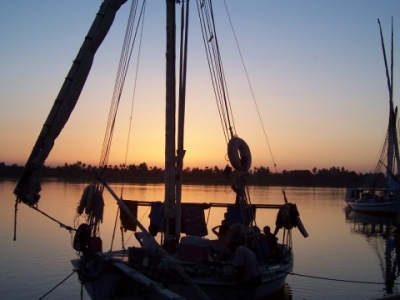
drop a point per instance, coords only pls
(373, 196)
(263, 243)
(244, 246)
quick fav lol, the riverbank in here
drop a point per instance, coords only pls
(141, 174)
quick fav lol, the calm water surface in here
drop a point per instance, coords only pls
(341, 258)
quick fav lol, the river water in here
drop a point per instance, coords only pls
(341, 259)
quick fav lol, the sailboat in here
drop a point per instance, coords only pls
(381, 193)
(185, 264)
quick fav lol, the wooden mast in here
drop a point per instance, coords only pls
(181, 109)
(170, 197)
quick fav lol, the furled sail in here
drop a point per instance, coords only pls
(28, 187)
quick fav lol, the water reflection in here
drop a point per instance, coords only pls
(383, 236)
(284, 294)
(40, 256)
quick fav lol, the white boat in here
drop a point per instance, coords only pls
(185, 265)
(381, 193)
(376, 201)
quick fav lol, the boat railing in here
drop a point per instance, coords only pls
(212, 204)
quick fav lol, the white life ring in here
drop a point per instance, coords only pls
(239, 154)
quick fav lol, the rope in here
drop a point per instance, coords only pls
(251, 88)
(62, 225)
(135, 85)
(57, 285)
(335, 279)
(206, 17)
(253, 95)
(115, 229)
(134, 25)
(127, 49)
(131, 111)
(15, 218)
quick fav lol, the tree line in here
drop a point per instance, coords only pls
(142, 173)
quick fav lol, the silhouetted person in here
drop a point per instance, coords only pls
(245, 262)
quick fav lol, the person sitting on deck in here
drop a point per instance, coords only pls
(146, 241)
(272, 242)
(245, 262)
(237, 232)
(221, 232)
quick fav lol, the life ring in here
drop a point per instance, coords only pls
(239, 154)
(91, 267)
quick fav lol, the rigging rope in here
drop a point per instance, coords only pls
(209, 33)
(253, 96)
(206, 17)
(61, 282)
(126, 54)
(15, 219)
(131, 114)
(251, 88)
(210, 40)
(95, 216)
(62, 225)
(134, 86)
(115, 229)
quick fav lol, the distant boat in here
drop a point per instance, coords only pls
(381, 193)
(186, 265)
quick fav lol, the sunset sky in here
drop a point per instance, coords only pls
(316, 69)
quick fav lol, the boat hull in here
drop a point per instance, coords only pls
(229, 292)
(373, 201)
(118, 280)
(390, 208)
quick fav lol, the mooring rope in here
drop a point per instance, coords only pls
(335, 279)
(60, 283)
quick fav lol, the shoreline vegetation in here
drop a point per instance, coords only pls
(142, 173)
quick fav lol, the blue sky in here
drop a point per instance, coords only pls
(316, 69)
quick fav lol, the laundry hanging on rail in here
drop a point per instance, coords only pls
(126, 222)
(193, 221)
(157, 215)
